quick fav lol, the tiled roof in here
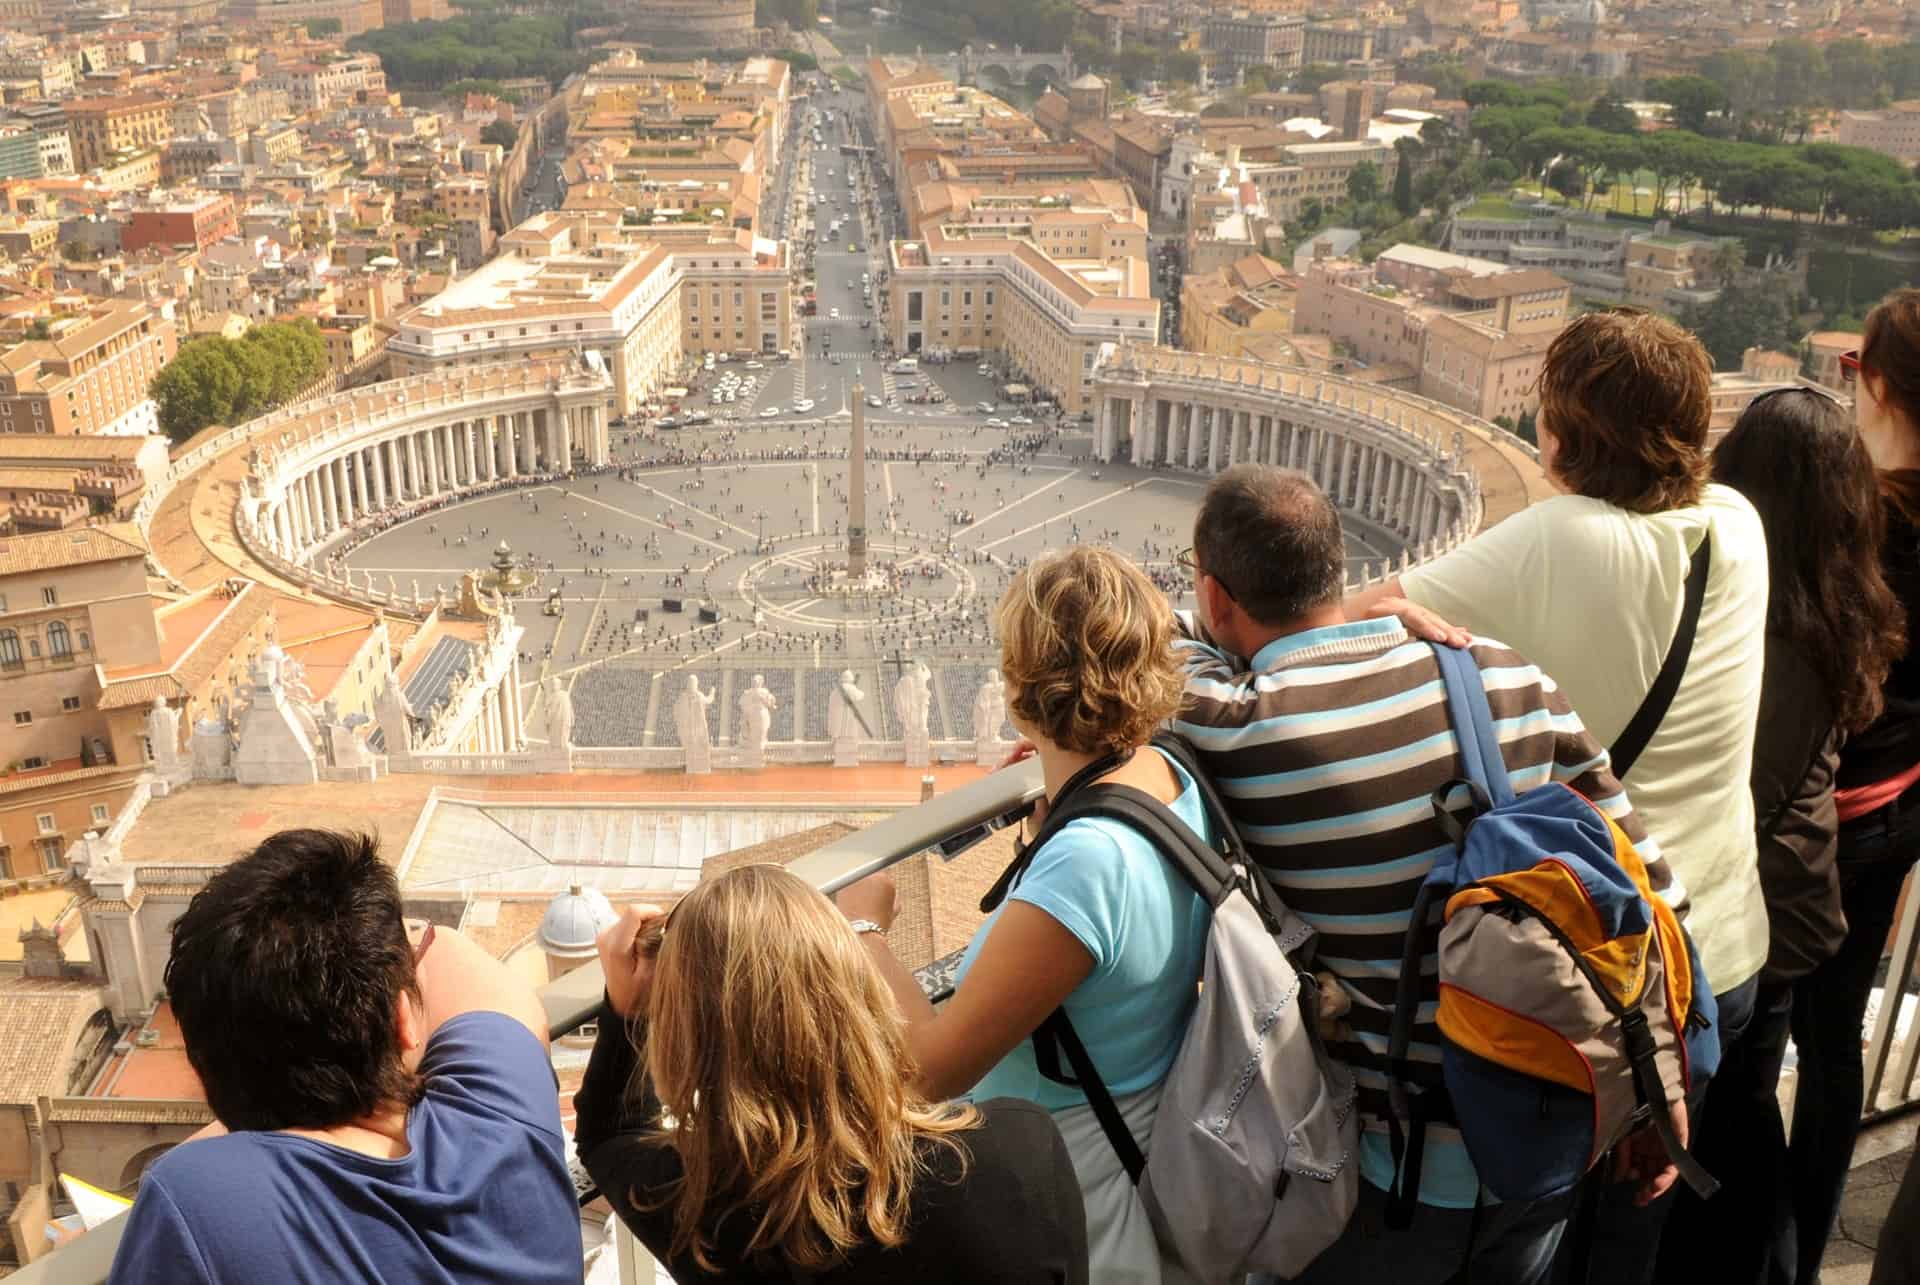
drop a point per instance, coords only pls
(127, 1111)
(53, 550)
(43, 1024)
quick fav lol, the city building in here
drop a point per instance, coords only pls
(1893, 131)
(531, 306)
(90, 375)
(712, 24)
(1240, 39)
(1606, 261)
(1336, 42)
(103, 129)
(1226, 311)
(968, 289)
(197, 223)
(1468, 334)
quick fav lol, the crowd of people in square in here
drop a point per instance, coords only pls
(1703, 650)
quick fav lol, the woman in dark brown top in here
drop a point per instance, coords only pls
(1834, 629)
(748, 1111)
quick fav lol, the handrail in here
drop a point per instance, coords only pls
(953, 820)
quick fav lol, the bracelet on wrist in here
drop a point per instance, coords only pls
(863, 926)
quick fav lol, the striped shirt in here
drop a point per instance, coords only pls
(1328, 748)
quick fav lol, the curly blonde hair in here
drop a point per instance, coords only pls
(1086, 644)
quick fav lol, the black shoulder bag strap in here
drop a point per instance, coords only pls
(1626, 749)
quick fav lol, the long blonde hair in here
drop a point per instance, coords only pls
(780, 1058)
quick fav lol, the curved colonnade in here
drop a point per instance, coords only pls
(1392, 459)
(360, 458)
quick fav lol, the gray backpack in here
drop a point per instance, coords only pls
(1253, 1165)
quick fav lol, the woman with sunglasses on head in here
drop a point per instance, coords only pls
(750, 1111)
(1834, 630)
(1877, 804)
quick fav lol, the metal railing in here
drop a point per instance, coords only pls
(948, 822)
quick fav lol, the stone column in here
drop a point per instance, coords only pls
(377, 474)
(1103, 431)
(430, 447)
(411, 460)
(282, 535)
(531, 458)
(360, 488)
(349, 510)
(563, 441)
(509, 449)
(317, 507)
(1297, 457)
(466, 450)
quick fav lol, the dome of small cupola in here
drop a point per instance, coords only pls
(574, 919)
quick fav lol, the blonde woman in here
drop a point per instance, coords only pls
(1098, 921)
(792, 1145)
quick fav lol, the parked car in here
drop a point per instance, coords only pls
(769, 412)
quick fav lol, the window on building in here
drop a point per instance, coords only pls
(44, 823)
(10, 649)
(100, 812)
(50, 596)
(68, 704)
(59, 641)
(52, 855)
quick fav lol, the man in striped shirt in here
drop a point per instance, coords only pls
(1328, 741)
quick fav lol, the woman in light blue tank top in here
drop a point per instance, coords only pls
(1098, 922)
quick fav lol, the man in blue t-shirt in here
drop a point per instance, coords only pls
(385, 1108)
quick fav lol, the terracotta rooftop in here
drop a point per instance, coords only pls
(44, 1021)
(54, 550)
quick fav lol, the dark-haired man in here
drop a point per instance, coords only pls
(1328, 737)
(385, 1106)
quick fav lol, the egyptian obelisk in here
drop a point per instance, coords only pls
(857, 486)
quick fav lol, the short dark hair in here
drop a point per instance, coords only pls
(284, 974)
(1628, 397)
(1273, 541)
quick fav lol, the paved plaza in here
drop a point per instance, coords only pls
(719, 553)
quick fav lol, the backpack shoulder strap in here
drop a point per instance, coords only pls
(1210, 875)
(1626, 749)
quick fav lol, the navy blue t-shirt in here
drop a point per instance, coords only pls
(483, 1195)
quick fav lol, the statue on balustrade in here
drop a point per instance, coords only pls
(910, 697)
(690, 715)
(846, 725)
(559, 711)
(163, 733)
(990, 709)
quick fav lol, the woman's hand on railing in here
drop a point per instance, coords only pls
(875, 898)
(627, 953)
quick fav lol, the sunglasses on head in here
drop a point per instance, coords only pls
(1797, 388)
(1850, 365)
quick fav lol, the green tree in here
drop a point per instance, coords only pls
(39, 329)
(1755, 314)
(1314, 77)
(1363, 183)
(1612, 116)
(318, 27)
(215, 380)
(1690, 100)
(1527, 429)
(503, 132)
(1403, 180)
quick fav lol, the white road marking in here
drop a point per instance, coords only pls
(1051, 518)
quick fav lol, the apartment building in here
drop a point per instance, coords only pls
(1242, 39)
(25, 238)
(1469, 337)
(73, 604)
(1336, 42)
(194, 222)
(90, 376)
(104, 128)
(1893, 131)
(995, 288)
(1657, 268)
(1228, 311)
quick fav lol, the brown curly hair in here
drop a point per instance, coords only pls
(1086, 645)
(1628, 396)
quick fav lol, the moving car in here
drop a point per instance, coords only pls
(769, 412)
(804, 404)
(872, 400)
(1021, 420)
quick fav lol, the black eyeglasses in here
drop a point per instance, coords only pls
(1186, 561)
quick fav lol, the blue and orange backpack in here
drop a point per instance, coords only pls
(1572, 1004)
